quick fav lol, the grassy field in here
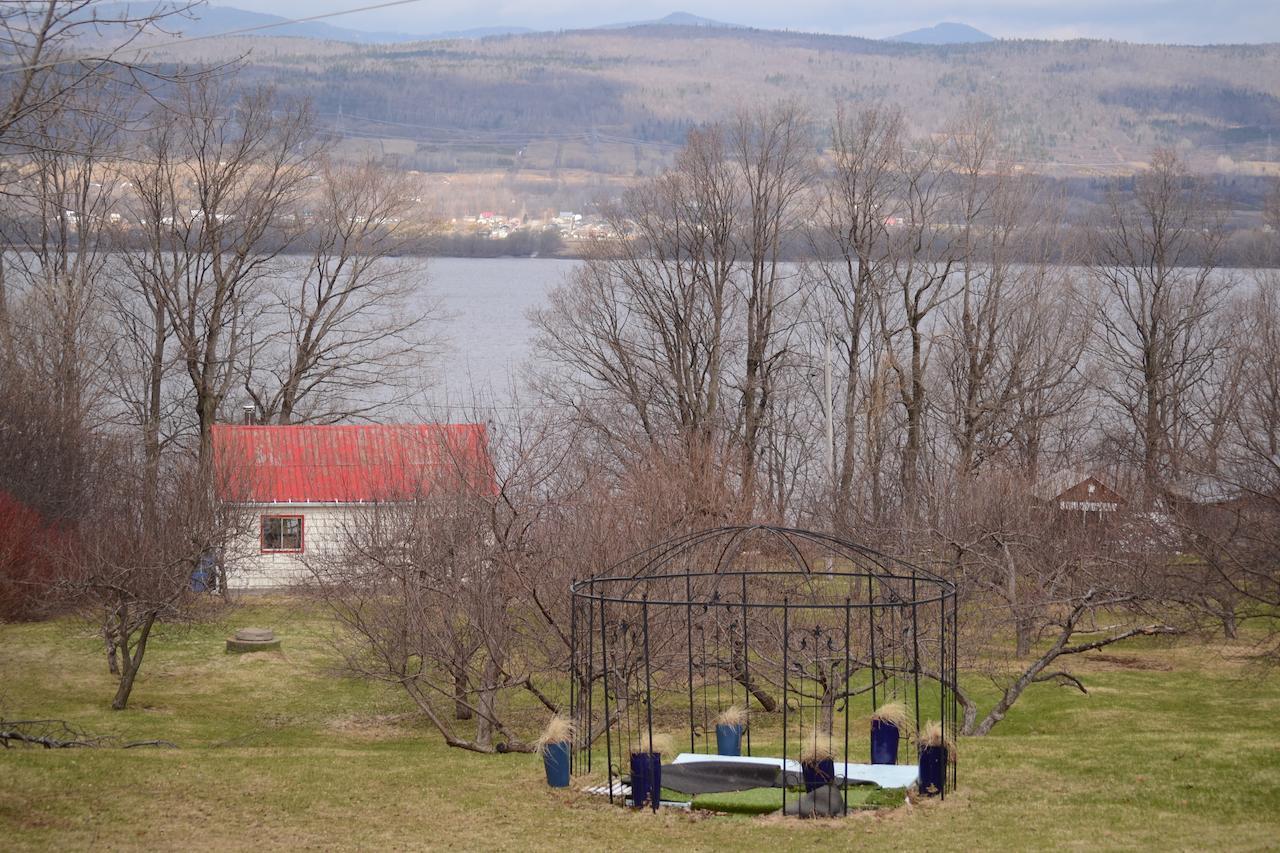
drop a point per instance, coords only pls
(1174, 748)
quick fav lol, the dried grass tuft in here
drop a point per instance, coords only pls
(817, 748)
(895, 714)
(734, 715)
(661, 744)
(931, 735)
(559, 729)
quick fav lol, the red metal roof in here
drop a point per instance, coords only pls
(347, 464)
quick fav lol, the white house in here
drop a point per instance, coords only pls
(301, 482)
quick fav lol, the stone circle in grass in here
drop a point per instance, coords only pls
(253, 640)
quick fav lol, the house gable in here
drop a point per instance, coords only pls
(1089, 493)
(1070, 490)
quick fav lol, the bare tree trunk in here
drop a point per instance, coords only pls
(1023, 625)
(132, 662)
(461, 687)
(827, 708)
(487, 704)
(153, 400)
(740, 674)
(108, 638)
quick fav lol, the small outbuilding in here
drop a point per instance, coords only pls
(301, 483)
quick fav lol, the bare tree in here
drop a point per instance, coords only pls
(222, 171)
(422, 585)
(693, 302)
(770, 151)
(1154, 259)
(1012, 343)
(346, 336)
(1228, 523)
(1062, 586)
(643, 332)
(58, 48)
(129, 559)
(924, 257)
(858, 198)
(60, 223)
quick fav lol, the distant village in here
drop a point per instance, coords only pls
(570, 226)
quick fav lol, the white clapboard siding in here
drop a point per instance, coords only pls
(250, 568)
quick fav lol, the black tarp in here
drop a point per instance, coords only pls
(715, 777)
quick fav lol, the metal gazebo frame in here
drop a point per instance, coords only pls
(778, 620)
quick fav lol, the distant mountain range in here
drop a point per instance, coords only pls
(945, 33)
(675, 19)
(211, 20)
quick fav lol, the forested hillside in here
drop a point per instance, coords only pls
(616, 102)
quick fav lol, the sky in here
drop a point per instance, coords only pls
(1160, 21)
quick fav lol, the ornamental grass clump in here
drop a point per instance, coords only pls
(661, 744)
(646, 768)
(936, 753)
(558, 730)
(931, 737)
(734, 715)
(817, 762)
(817, 748)
(896, 715)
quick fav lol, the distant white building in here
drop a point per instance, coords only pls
(301, 483)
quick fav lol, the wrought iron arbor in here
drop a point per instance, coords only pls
(808, 631)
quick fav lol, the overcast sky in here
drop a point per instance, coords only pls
(1181, 21)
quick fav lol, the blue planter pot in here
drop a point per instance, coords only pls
(884, 742)
(933, 770)
(555, 760)
(646, 779)
(728, 739)
(817, 775)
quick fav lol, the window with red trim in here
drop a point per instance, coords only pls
(282, 534)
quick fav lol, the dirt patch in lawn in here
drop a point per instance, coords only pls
(372, 726)
(1129, 662)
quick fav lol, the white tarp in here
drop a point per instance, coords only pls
(691, 757)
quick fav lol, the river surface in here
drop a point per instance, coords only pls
(489, 336)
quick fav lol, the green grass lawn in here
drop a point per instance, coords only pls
(1176, 747)
(765, 800)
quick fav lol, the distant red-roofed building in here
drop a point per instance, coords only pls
(302, 481)
(1078, 493)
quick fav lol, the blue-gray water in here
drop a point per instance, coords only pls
(489, 333)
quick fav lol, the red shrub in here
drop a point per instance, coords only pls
(27, 567)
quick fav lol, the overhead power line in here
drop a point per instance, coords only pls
(181, 41)
(275, 24)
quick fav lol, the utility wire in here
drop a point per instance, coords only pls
(181, 41)
(274, 24)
